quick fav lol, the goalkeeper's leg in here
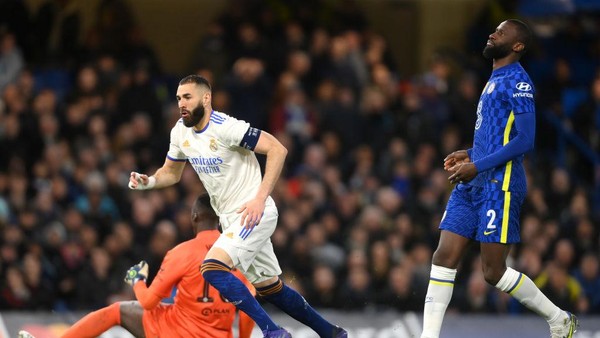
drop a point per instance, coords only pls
(125, 314)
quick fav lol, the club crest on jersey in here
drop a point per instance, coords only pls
(491, 88)
(213, 144)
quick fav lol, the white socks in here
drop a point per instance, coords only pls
(518, 285)
(525, 291)
(439, 293)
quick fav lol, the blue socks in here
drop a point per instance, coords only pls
(292, 303)
(219, 276)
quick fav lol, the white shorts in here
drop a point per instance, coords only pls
(251, 250)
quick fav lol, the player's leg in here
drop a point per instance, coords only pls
(132, 315)
(446, 257)
(458, 227)
(95, 323)
(238, 247)
(493, 259)
(495, 237)
(287, 299)
(216, 270)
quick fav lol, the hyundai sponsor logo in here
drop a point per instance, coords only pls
(523, 86)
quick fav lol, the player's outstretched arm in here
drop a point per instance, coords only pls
(169, 174)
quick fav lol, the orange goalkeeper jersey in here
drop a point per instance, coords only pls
(198, 309)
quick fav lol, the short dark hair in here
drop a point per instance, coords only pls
(203, 201)
(210, 220)
(197, 79)
(524, 33)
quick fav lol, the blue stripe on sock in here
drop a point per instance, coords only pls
(442, 280)
(516, 283)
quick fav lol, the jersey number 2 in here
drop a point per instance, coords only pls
(492, 215)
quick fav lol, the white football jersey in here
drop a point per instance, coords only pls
(230, 173)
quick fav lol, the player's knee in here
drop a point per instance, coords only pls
(270, 289)
(212, 268)
(493, 275)
(444, 259)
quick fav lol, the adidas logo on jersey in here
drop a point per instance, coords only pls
(186, 143)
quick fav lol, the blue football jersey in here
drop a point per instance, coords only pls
(508, 92)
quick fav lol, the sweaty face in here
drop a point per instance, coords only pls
(189, 97)
(500, 43)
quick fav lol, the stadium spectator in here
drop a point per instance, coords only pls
(399, 293)
(588, 276)
(562, 288)
(11, 59)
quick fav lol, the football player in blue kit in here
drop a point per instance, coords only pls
(490, 188)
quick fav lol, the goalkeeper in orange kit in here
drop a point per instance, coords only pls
(198, 309)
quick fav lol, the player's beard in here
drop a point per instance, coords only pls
(496, 51)
(194, 117)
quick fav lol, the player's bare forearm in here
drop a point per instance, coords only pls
(252, 210)
(169, 174)
(276, 154)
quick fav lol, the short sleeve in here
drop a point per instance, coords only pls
(175, 153)
(520, 94)
(233, 131)
(170, 273)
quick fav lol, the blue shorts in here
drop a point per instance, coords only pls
(488, 216)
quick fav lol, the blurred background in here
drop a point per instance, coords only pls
(367, 95)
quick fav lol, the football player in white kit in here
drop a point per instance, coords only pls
(221, 150)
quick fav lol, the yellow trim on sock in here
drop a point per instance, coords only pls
(441, 283)
(518, 285)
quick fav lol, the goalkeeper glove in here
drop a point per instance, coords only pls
(137, 273)
(139, 181)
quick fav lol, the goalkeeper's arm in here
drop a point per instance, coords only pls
(147, 299)
(168, 174)
(136, 277)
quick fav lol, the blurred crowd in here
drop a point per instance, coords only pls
(363, 189)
